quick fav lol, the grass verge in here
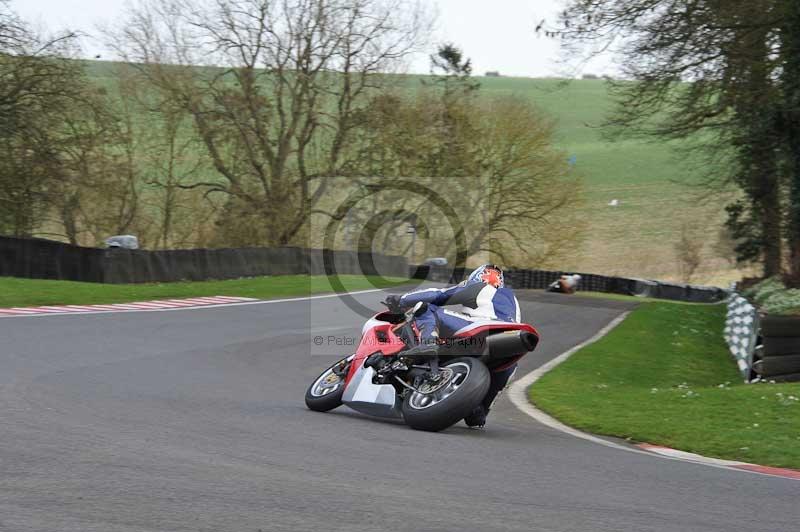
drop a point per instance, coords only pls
(16, 292)
(664, 376)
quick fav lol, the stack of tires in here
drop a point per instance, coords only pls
(780, 349)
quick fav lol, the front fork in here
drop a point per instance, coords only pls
(342, 367)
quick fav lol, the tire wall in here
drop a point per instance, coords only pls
(540, 279)
(778, 356)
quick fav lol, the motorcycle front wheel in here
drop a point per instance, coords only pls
(325, 393)
(436, 406)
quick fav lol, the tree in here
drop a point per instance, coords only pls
(488, 179)
(493, 163)
(169, 158)
(281, 94)
(752, 132)
(689, 252)
(38, 83)
(790, 123)
(13, 31)
(452, 71)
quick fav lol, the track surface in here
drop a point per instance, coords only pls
(194, 420)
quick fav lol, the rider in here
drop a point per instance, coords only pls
(482, 296)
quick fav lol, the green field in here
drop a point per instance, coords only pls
(32, 292)
(649, 180)
(665, 376)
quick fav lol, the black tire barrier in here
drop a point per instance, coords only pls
(771, 366)
(45, 259)
(780, 345)
(791, 377)
(541, 279)
(783, 326)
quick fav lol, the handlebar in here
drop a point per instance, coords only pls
(413, 312)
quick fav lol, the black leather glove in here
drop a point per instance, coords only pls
(392, 301)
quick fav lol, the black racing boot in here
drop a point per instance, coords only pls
(426, 348)
(477, 418)
(499, 380)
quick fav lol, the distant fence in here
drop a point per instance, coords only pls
(539, 279)
(45, 259)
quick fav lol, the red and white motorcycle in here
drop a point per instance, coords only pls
(430, 392)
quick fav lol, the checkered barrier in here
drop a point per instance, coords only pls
(741, 333)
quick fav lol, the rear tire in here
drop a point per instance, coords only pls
(464, 391)
(324, 395)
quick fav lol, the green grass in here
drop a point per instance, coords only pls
(664, 376)
(16, 292)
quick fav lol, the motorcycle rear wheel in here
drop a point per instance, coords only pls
(467, 384)
(326, 392)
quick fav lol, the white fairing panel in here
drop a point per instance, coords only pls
(372, 322)
(480, 323)
(374, 399)
(484, 307)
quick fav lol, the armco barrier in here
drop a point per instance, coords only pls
(45, 259)
(540, 279)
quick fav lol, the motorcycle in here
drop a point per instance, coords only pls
(429, 391)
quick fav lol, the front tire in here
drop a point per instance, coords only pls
(326, 392)
(446, 406)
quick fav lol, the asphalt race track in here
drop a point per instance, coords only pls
(194, 421)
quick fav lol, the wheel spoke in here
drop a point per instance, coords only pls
(458, 375)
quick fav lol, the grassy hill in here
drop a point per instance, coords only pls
(648, 179)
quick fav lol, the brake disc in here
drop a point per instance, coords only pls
(431, 386)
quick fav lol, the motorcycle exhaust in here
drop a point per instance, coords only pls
(509, 344)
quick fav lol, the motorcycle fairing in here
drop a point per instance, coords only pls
(374, 399)
(360, 392)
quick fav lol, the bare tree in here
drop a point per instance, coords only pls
(519, 183)
(689, 250)
(13, 31)
(281, 96)
(38, 82)
(168, 157)
(489, 177)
